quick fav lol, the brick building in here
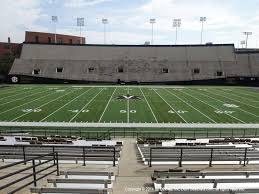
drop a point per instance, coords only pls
(49, 38)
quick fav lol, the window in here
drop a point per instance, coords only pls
(219, 73)
(36, 72)
(165, 70)
(120, 70)
(70, 41)
(196, 71)
(36, 39)
(49, 39)
(90, 70)
(60, 41)
(59, 69)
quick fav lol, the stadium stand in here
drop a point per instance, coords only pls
(134, 64)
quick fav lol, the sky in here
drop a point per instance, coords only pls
(128, 20)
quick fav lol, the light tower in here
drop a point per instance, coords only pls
(247, 34)
(80, 23)
(54, 19)
(104, 21)
(242, 42)
(152, 22)
(177, 24)
(202, 20)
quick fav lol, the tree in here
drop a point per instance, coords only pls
(6, 62)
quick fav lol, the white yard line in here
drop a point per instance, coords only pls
(251, 93)
(15, 91)
(85, 106)
(42, 105)
(224, 102)
(25, 103)
(107, 105)
(18, 93)
(236, 100)
(215, 107)
(148, 105)
(170, 106)
(22, 98)
(191, 106)
(128, 109)
(65, 105)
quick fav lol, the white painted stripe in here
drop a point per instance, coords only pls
(65, 105)
(191, 106)
(85, 106)
(214, 107)
(42, 105)
(171, 107)
(148, 105)
(128, 109)
(107, 105)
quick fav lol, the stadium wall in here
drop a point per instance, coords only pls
(217, 63)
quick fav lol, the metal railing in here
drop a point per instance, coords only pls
(192, 148)
(33, 174)
(81, 149)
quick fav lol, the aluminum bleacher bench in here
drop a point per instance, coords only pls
(69, 190)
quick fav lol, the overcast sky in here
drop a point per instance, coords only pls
(129, 20)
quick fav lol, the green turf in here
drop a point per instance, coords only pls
(65, 103)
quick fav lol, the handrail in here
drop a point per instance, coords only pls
(198, 148)
(34, 171)
(82, 149)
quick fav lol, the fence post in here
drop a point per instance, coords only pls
(211, 156)
(57, 161)
(150, 157)
(34, 173)
(245, 157)
(84, 155)
(24, 156)
(181, 158)
(114, 156)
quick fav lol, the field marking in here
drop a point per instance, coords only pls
(148, 105)
(215, 107)
(250, 91)
(22, 97)
(19, 93)
(236, 100)
(42, 105)
(128, 109)
(238, 94)
(170, 106)
(15, 91)
(85, 106)
(65, 104)
(224, 102)
(191, 106)
(26, 103)
(107, 105)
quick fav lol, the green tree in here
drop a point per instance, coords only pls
(6, 62)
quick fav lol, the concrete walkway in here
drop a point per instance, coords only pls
(132, 175)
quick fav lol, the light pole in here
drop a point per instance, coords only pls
(80, 23)
(243, 42)
(176, 24)
(104, 21)
(247, 34)
(152, 22)
(54, 19)
(202, 20)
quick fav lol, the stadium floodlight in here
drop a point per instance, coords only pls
(152, 22)
(202, 20)
(247, 34)
(80, 23)
(243, 42)
(176, 24)
(54, 19)
(104, 21)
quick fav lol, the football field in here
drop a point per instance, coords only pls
(129, 104)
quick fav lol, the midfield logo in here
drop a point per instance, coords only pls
(128, 97)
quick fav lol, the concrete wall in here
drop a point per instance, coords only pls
(139, 63)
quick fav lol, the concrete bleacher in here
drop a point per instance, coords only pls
(139, 63)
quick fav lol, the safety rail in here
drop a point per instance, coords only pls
(192, 148)
(33, 174)
(81, 149)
